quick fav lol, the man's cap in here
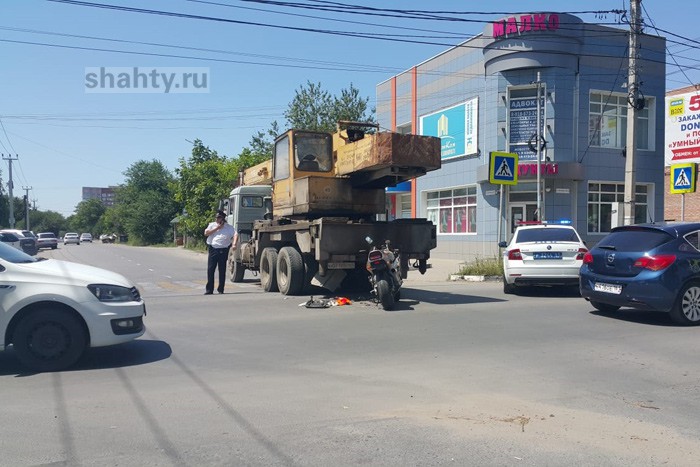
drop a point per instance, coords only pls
(220, 214)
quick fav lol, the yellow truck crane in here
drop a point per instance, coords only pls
(303, 217)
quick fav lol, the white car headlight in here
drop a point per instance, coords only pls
(111, 293)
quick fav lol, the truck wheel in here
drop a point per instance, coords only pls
(49, 340)
(268, 268)
(290, 271)
(237, 271)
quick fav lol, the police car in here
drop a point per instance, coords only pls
(542, 253)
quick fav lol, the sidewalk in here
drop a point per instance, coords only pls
(439, 270)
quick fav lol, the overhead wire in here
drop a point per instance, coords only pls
(680, 68)
(303, 29)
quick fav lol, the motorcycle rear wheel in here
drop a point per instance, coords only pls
(384, 294)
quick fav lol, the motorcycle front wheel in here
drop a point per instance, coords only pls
(386, 298)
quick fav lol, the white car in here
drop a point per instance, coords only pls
(71, 237)
(27, 240)
(53, 310)
(86, 237)
(542, 254)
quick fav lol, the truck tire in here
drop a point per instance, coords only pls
(49, 340)
(268, 270)
(236, 268)
(290, 271)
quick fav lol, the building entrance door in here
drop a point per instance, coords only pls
(520, 212)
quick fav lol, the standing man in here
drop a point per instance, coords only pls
(220, 237)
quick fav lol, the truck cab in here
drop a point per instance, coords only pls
(245, 205)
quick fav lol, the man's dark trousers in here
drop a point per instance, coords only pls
(217, 257)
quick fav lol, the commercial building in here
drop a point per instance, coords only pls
(481, 96)
(106, 195)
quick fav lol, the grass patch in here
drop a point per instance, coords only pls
(483, 267)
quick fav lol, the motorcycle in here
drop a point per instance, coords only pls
(384, 267)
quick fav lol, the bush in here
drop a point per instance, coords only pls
(483, 267)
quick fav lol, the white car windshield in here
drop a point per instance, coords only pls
(13, 255)
(548, 234)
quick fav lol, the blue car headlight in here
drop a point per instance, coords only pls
(111, 293)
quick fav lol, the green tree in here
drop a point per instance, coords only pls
(262, 143)
(204, 179)
(145, 203)
(315, 109)
(350, 106)
(47, 221)
(87, 215)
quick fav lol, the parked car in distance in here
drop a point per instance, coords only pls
(47, 240)
(54, 310)
(27, 240)
(86, 237)
(108, 238)
(542, 253)
(646, 266)
(11, 239)
(71, 237)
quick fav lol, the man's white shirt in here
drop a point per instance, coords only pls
(221, 238)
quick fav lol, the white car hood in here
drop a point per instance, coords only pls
(57, 271)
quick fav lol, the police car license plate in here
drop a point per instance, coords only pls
(547, 255)
(607, 288)
(341, 265)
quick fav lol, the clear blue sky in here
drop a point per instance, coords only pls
(67, 138)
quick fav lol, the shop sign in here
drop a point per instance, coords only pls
(530, 170)
(525, 23)
(522, 125)
(683, 128)
(457, 128)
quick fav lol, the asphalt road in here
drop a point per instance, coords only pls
(459, 374)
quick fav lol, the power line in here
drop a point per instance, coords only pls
(383, 37)
(680, 68)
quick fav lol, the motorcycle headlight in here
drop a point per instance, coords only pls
(111, 293)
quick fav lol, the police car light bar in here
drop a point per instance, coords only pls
(554, 222)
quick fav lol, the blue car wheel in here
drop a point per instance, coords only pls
(686, 311)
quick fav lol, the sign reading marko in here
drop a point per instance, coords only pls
(457, 128)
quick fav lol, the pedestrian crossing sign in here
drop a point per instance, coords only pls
(683, 178)
(503, 168)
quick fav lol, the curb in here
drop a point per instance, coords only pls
(468, 278)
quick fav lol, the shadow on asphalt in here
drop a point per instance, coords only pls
(410, 297)
(137, 352)
(650, 318)
(545, 292)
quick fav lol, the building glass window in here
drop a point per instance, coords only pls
(606, 205)
(453, 211)
(404, 205)
(607, 121)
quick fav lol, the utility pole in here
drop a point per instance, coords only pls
(10, 185)
(539, 155)
(634, 104)
(26, 206)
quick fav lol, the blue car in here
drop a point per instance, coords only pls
(646, 266)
